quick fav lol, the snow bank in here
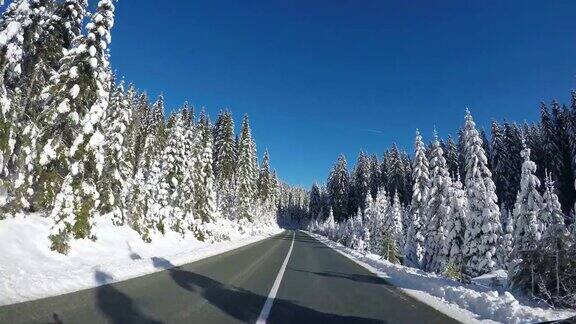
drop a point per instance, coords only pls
(466, 303)
(30, 270)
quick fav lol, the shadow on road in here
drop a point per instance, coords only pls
(353, 277)
(244, 305)
(117, 306)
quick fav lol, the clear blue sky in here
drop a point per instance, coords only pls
(322, 77)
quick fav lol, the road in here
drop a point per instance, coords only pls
(319, 285)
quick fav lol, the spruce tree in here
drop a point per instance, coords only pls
(338, 187)
(315, 206)
(360, 182)
(375, 176)
(265, 192)
(527, 209)
(246, 172)
(379, 210)
(455, 229)
(393, 232)
(483, 227)
(72, 141)
(451, 155)
(204, 193)
(225, 157)
(117, 168)
(437, 209)
(414, 249)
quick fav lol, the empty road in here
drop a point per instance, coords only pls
(314, 285)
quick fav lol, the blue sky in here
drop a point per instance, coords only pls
(324, 77)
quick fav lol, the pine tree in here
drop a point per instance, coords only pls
(498, 159)
(414, 249)
(146, 186)
(12, 27)
(375, 176)
(247, 171)
(507, 240)
(360, 182)
(437, 209)
(225, 156)
(393, 233)
(315, 206)
(396, 172)
(455, 229)
(527, 208)
(72, 144)
(117, 168)
(483, 227)
(337, 187)
(551, 211)
(204, 180)
(266, 189)
(379, 211)
(546, 269)
(451, 154)
(565, 176)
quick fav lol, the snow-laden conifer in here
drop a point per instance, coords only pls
(414, 249)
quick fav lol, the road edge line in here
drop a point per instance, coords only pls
(263, 317)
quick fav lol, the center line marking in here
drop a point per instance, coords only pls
(272, 295)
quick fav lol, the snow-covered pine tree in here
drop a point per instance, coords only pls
(454, 229)
(146, 184)
(507, 240)
(483, 227)
(379, 211)
(204, 194)
(338, 187)
(315, 206)
(392, 240)
(72, 157)
(117, 168)
(414, 249)
(451, 154)
(437, 209)
(527, 209)
(395, 171)
(375, 176)
(498, 160)
(12, 25)
(265, 192)
(546, 270)
(175, 166)
(246, 171)
(511, 166)
(360, 182)
(225, 156)
(551, 211)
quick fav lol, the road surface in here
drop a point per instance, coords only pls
(317, 285)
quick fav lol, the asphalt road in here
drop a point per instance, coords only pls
(318, 286)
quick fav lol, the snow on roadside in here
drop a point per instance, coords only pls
(466, 303)
(29, 270)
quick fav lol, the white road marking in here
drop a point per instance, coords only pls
(272, 295)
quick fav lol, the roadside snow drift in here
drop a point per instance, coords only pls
(467, 303)
(30, 270)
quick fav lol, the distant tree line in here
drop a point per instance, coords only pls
(467, 206)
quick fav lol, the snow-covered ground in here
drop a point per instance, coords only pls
(472, 303)
(30, 270)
